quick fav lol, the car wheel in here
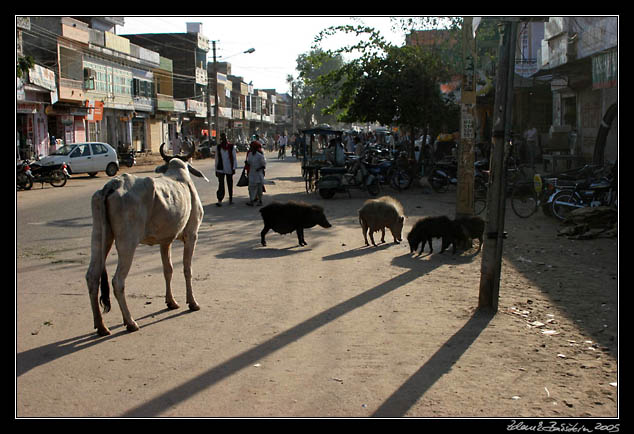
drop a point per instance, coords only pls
(112, 169)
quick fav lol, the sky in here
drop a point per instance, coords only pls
(277, 40)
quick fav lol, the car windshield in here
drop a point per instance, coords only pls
(64, 150)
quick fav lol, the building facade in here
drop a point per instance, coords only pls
(131, 91)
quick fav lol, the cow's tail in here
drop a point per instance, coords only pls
(100, 244)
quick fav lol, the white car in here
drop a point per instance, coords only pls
(87, 157)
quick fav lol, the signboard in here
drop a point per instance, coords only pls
(467, 126)
(42, 77)
(468, 94)
(95, 110)
(605, 67)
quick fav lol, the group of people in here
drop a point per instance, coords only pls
(227, 163)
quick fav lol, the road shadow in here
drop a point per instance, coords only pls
(29, 359)
(438, 365)
(219, 372)
(252, 249)
(357, 251)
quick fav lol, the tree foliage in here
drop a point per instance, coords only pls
(312, 105)
(386, 84)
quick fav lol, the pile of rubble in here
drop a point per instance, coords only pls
(592, 222)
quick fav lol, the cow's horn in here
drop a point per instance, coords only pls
(167, 158)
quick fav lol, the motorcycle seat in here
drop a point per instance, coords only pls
(333, 170)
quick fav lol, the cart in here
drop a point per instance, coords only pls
(313, 153)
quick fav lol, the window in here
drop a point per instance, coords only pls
(122, 82)
(97, 75)
(89, 79)
(80, 151)
(98, 148)
(142, 88)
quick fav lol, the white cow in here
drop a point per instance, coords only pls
(130, 210)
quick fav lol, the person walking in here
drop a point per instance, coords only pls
(226, 165)
(283, 141)
(256, 164)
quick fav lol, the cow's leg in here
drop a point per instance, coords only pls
(93, 291)
(168, 270)
(93, 277)
(382, 235)
(188, 254)
(126, 253)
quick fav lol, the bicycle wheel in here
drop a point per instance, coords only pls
(310, 183)
(524, 199)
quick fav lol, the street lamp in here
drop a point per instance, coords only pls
(215, 70)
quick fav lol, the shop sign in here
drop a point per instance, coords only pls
(42, 77)
(605, 68)
(95, 110)
(26, 108)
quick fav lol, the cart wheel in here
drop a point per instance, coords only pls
(327, 193)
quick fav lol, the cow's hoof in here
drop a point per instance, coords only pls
(132, 327)
(172, 305)
(103, 331)
(194, 307)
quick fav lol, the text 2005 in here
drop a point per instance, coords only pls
(607, 428)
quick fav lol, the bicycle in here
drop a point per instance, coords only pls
(522, 191)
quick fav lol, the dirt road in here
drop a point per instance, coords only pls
(333, 329)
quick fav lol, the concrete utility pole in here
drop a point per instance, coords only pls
(216, 106)
(466, 158)
(496, 198)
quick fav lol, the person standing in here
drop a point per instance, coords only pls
(176, 144)
(256, 164)
(226, 165)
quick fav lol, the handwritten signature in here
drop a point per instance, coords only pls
(566, 427)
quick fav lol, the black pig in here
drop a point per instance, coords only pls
(435, 227)
(473, 226)
(285, 218)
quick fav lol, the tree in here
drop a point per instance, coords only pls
(23, 65)
(387, 84)
(401, 89)
(312, 105)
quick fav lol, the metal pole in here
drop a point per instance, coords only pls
(496, 199)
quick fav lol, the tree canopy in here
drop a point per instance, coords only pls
(386, 84)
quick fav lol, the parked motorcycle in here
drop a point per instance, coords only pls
(443, 174)
(554, 184)
(23, 176)
(340, 179)
(54, 174)
(599, 191)
(127, 158)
